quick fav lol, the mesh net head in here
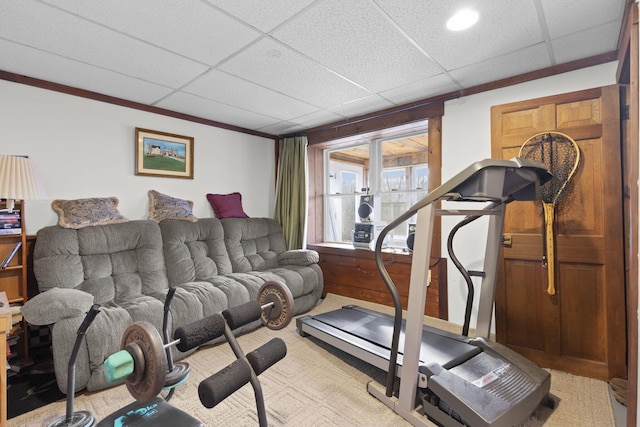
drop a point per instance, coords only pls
(560, 155)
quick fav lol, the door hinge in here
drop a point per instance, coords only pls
(624, 113)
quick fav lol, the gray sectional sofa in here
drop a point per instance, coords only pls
(127, 268)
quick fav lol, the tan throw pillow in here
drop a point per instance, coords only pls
(81, 213)
(162, 206)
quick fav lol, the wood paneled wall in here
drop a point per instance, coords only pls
(353, 273)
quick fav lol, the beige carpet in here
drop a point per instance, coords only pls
(315, 385)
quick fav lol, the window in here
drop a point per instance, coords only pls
(392, 169)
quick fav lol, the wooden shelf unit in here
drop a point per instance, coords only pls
(13, 281)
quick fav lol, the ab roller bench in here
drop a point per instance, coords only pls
(146, 366)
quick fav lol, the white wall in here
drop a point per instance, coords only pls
(466, 138)
(84, 148)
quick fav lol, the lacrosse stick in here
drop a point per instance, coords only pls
(561, 155)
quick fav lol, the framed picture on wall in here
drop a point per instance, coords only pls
(163, 154)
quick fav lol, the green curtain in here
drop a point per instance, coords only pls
(291, 190)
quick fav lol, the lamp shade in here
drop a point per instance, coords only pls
(19, 180)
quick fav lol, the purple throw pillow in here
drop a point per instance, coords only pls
(227, 205)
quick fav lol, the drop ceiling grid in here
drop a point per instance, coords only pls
(49, 29)
(292, 74)
(514, 63)
(601, 39)
(505, 26)
(264, 15)
(222, 87)
(213, 110)
(436, 85)
(572, 16)
(190, 29)
(353, 38)
(290, 65)
(16, 58)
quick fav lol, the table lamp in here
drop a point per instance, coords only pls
(19, 180)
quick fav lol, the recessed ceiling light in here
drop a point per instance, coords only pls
(462, 20)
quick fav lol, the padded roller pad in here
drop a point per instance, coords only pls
(243, 314)
(267, 355)
(224, 383)
(199, 332)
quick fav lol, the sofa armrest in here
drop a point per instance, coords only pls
(298, 257)
(56, 304)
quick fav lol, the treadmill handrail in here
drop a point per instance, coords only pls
(443, 192)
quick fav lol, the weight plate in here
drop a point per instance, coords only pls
(177, 376)
(146, 337)
(280, 314)
(77, 419)
(139, 362)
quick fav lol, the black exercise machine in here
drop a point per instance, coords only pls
(449, 379)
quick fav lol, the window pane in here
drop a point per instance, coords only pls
(394, 171)
(349, 169)
(400, 157)
(394, 205)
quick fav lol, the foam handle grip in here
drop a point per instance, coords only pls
(243, 314)
(224, 383)
(199, 332)
(118, 366)
(267, 355)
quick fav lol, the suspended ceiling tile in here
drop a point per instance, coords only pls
(282, 128)
(318, 118)
(601, 39)
(525, 60)
(504, 26)
(264, 15)
(415, 91)
(56, 69)
(356, 41)
(572, 16)
(51, 30)
(212, 110)
(273, 65)
(361, 106)
(189, 28)
(231, 90)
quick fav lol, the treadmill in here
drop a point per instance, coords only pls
(434, 376)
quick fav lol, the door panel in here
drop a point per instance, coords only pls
(580, 329)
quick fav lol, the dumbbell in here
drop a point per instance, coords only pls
(273, 305)
(142, 360)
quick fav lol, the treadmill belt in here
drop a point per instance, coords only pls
(445, 349)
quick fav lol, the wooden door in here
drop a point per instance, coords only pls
(580, 329)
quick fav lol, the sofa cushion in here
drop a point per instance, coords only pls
(56, 304)
(111, 262)
(253, 245)
(81, 213)
(227, 205)
(163, 207)
(298, 257)
(194, 251)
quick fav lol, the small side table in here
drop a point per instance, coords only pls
(5, 329)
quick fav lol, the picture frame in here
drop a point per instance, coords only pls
(163, 154)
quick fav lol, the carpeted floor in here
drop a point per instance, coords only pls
(316, 385)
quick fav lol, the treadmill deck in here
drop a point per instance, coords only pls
(372, 331)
